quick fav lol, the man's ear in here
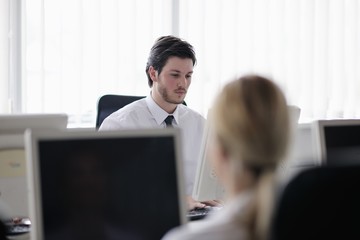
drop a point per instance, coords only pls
(153, 74)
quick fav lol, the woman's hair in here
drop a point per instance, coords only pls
(251, 124)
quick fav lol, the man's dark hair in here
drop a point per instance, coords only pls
(164, 48)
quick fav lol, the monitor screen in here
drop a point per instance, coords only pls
(337, 141)
(107, 186)
(342, 144)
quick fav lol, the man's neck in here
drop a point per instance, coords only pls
(167, 107)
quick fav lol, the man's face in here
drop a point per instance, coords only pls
(174, 80)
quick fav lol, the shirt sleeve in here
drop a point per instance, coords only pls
(118, 122)
(110, 123)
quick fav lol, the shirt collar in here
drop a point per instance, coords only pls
(158, 113)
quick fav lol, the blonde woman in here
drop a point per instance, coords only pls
(251, 128)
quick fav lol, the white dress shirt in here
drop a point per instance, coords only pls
(224, 224)
(145, 113)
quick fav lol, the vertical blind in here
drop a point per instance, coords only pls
(4, 54)
(77, 50)
(310, 47)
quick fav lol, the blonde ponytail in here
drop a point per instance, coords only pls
(264, 203)
(251, 123)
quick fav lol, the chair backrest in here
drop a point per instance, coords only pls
(109, 103)
(319, 203)
(3, 231)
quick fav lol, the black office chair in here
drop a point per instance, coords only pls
(3, 231)
(319, 203)
(110, 103)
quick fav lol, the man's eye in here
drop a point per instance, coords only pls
(175, 75)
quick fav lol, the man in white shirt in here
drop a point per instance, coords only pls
(169, 70)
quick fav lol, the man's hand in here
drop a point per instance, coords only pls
(213, 203)
(191, 203)
(196, 204)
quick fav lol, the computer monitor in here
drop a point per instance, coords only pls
(13, 193)
(19, 122)
(13, 187)
(338, 141)
(301, 150)
(301, 153)
(105, 185)
(207, 185)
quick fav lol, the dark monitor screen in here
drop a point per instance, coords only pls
(342, 144)
(118, 188)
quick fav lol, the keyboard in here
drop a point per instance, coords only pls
(16, 230)
(200, 213)
(17, 226)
